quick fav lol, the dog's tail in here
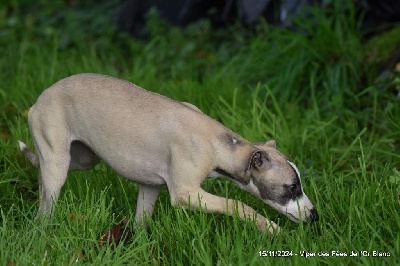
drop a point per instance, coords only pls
(33, 158)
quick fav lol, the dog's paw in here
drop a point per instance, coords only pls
(273, 228)
(265, 225)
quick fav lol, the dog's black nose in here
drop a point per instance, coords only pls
(314, 215)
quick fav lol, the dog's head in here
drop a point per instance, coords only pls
(276, 180)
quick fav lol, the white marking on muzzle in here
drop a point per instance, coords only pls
(302, 203)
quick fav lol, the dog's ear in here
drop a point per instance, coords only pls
(259, 160)
(271, 144)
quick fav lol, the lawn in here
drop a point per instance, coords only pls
(322, 92)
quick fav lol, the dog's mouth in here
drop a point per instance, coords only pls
(294, 219)
(284, 211)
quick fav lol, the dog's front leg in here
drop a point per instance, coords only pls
(146, 200)
(212, 203)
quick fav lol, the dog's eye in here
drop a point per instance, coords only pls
(293, 187)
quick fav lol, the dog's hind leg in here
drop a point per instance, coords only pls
(53, 173)
(146, 201)
(54, 157)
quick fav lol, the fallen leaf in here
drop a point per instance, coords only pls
(118, 233)
(26, 186)
(79, 217)
(78, 254)
(25, 113)
(11, 109)
(4, 135)
(269, 134)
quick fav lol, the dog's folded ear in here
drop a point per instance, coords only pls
(259, 160)
(271, 144)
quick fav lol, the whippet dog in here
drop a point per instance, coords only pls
(155, 141)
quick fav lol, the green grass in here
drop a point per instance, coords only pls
(313, 92)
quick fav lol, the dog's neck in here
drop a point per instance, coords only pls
(233, 155)
(244, 180)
